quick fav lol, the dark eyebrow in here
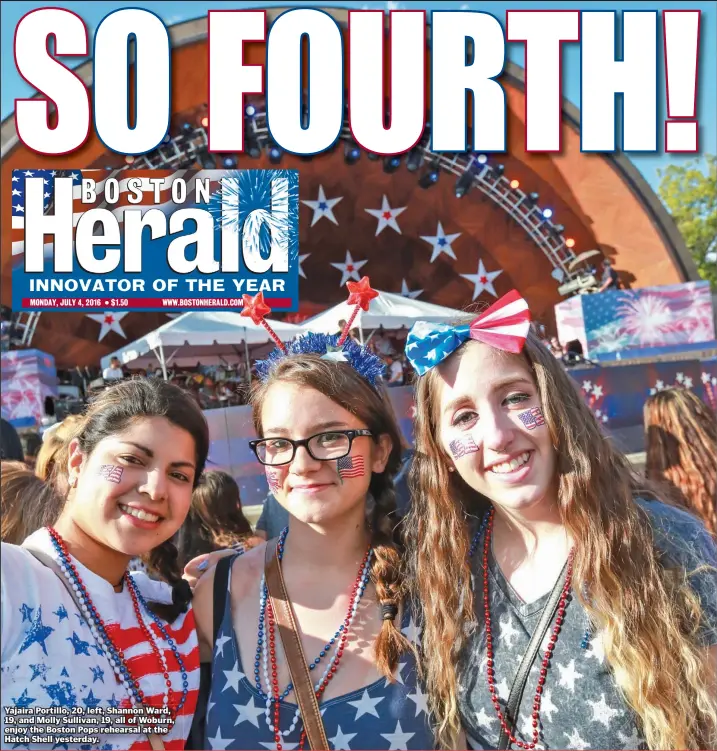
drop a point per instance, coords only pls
(497, 386)
(318, 428)
(150, 454)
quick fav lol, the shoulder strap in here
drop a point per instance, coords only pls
(290, 640)
(221, 584)
(155, 740)
(521, 677)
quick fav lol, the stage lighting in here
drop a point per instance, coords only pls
(129, 159)
(205, 122)
(391, 164)
(352, 153)
(464, 184)
(558, 229)
(414, 160)
(430, 177)
(498, 169)
(187, 127)
(482, 159)
(275, 154)
(250, 110)
(547, 213)
(252, 147)
(570, 242)
(373, 157)
(229, 162)
(206, 160)
(515, 184)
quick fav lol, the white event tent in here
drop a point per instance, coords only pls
(208, 337)
(390, 310)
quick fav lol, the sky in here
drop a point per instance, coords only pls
(172, 12)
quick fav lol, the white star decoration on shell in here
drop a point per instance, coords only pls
(109, 322)
(386, 216)
(301, 260)
(441, 243)
(323, 207)
(483, 280)
(349, 269)
(412, 293)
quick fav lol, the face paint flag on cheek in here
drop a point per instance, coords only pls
(350, 466)
(111, 472)
(273, 479)
(532, 418)
(462, 446)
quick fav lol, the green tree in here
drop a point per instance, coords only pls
(689, 191)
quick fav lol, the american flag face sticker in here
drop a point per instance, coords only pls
(272, 477)
(462, 446)
(111, 472)
(532, 418)
(350, 466)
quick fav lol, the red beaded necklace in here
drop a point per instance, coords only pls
(120, 654)
(332, 671)
(490, 673)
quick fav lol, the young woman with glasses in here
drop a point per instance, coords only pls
(330, 446)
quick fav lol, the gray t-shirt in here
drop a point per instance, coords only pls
(581, 706)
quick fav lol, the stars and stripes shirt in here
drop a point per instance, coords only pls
(50, 659)
(581, 706)
(382, 715)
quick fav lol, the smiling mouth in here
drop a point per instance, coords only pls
(505, 468)
(145, 516)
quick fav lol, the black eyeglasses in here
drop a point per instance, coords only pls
(333, 444)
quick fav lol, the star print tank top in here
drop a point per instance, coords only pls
(381, 715)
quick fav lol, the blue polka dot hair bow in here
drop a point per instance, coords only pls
(504, 326)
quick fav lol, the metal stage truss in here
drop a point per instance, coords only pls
(191, 146)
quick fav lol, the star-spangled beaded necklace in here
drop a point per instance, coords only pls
(266, 650)
(114, 655)
(487, 527)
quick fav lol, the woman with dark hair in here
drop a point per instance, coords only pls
(10, 443)
(81, 632)
(564, 606)
(26, 502)
(330, 446)
(681, 444)
(215, 520)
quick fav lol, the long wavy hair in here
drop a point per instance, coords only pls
(215, 520)
(648, 615)
(26, 502)
(343, 385)
(681, 440)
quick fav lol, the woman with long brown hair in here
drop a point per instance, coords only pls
(563, 605)
(26, 502)
(330, 446)
(215, 520)
(681, 447)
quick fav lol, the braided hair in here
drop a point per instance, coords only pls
(343, 385)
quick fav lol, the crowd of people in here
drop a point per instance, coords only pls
(509, 580)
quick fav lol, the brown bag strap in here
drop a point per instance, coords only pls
(155, 740)
(291, 642)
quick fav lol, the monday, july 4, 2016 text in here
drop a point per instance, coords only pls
(65, 725)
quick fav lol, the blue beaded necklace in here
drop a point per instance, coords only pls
(262, 648)
(585, 641)
(100, 635)
(262, 619)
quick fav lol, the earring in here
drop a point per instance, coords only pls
(73, 481)
(451, 469)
